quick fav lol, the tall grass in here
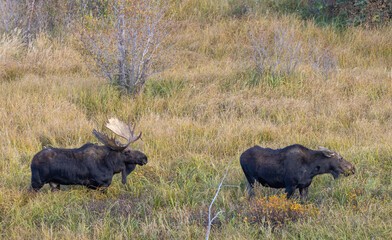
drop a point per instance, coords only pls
(197, 117)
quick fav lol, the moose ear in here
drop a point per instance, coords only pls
(326, 152)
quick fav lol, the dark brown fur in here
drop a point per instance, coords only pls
(90, 165)
(291, 167)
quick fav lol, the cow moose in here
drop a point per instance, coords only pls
(291, 167)
(91, 165)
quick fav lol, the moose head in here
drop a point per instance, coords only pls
(128, 155)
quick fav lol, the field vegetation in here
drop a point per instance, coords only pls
(199, 115)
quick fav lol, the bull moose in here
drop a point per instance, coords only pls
(90, 165)
(291, 167)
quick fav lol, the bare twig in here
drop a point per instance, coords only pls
(124, 46)
(210, 220)
(280, 57)
(322, 60)
(10, 15)
(33, 17)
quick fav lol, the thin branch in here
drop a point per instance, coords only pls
(124, 46)
(212, 202)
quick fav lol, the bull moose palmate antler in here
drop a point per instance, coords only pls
(119, 128)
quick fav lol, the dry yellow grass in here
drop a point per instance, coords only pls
(196, 117)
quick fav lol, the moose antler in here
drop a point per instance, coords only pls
(121, 129)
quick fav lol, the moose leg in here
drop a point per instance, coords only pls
(102, 189)
(92, 187)
(54, 186)
(35, 186)
(304, 193)
(290, 191)
(249, 186)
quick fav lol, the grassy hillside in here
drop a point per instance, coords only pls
(197, 117)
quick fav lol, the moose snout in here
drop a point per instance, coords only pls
(144, 161)
(349, 172)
